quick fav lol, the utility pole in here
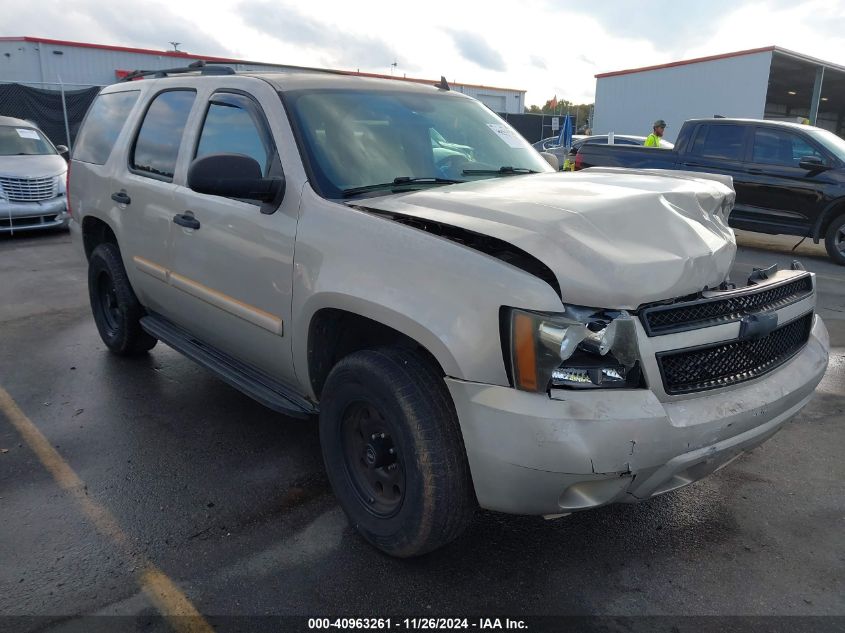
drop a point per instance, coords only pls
(393, 67)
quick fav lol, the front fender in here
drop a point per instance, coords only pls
(445, 296)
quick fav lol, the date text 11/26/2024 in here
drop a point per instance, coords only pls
(429, 624)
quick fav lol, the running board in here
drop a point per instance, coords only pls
(254, 383)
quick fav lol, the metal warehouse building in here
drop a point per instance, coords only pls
(763, 83)
(50, 63)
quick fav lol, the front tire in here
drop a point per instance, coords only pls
(116, 309)
(834, 240)
(394, 452)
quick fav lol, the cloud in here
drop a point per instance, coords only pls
(128, 23)
(537, 62)
(476, 49)
(337, 46)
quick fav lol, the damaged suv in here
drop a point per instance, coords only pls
(469, 326)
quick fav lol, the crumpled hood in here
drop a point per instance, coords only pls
(615, 238)
(38, 166)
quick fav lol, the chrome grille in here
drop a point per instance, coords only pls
(723, 364)
(679, 317)
(28, 189)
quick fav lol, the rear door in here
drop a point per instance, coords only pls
(720, 148)
(146, 195)
(234, 271)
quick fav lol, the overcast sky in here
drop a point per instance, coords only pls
(542, 46)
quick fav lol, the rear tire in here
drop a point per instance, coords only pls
(393, 451)
(834, 240)
(116, 309)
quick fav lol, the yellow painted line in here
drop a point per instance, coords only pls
(171, 602)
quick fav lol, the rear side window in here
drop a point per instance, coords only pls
(102, 126)
(160, 136)
(720, 141)
(233, 124)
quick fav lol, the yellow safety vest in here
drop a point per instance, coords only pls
(652, 141)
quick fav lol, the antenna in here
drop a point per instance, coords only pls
(442, 85)
(175, 45)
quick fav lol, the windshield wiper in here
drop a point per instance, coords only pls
(507, 169)
(400, 180)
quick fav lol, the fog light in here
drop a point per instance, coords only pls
(570, 375)
(593, 376)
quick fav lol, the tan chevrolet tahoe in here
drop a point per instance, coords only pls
(469, 326)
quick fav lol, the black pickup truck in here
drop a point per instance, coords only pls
(789, 178)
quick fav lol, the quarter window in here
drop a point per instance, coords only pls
(160, 136)
(105, 120)
(720, 141)
(234, 126)
(778, 147)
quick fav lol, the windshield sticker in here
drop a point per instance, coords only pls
(24, 133)
(507, 135)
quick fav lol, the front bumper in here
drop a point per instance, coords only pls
(24, 216)
(533, 454)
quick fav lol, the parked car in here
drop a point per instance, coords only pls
(32, 178)
(551, 146)
(789, 178)
(468, 331)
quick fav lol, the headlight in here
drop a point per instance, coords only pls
(580, 348)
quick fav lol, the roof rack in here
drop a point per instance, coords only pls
(202, 66)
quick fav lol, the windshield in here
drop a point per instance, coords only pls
(833, 143)
(23, 141)
(363, 139)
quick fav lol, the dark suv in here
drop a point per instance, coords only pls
(789, 178)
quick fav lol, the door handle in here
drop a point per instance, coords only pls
(187, 220)
(121, 197)
(754, 171)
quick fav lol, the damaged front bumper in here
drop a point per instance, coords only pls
(534, 454)
(25, 216)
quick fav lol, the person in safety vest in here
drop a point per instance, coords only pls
(653, 139)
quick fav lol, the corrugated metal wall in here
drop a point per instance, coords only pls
(732, 87)
(39, 63)
(498, 100)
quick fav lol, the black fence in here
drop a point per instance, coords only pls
(44, 108)
(538, 126)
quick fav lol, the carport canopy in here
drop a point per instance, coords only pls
(802, 87)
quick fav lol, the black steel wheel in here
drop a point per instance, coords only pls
(106, 305)
(834, 240)
(394, 452)
(114, 305)
(372, 459)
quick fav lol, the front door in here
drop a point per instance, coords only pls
(777, 188)
(233, 270)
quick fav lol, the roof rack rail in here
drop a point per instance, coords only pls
(202, 66)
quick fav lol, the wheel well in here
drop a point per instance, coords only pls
(334, 334)
(94, 233)
(835, 211)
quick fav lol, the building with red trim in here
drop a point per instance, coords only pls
(770, 83)
(49, 63)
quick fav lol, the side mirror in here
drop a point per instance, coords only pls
(62, 150)
(233, 176)
(812, 163)
(552, 160)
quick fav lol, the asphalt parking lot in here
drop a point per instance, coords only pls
(230, 501)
